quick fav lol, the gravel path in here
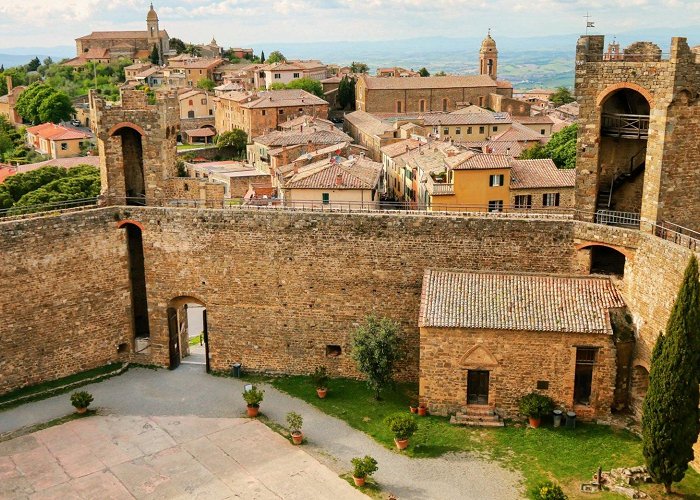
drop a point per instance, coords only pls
(190, 391)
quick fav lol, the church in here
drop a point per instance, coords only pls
(110, 46)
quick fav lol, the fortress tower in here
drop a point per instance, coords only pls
(488, 57)
(638, 149)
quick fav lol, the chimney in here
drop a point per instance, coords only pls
(339, 180)
(296, 168)
(507, 151)
(8, 79)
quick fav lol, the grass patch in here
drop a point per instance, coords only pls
(565, 456)
(195, 340)
(371, 488)
(185, 147)
(54, 387)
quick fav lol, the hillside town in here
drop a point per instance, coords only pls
(461, 287)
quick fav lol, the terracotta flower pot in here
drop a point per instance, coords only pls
(252, 411)
(359, 481)
(297, 437)
(535, 422)
(401, 444)
(422, 411)
(81, 410)
(413, 409)
(321, 391)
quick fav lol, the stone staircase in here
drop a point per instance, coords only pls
(482, 416)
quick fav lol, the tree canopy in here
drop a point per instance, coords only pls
(376, 347)
(561, 148)
(359, 67)
(671, 418)
(423, 72)
(206, 84)
(562, 96)
(155, 55)
(346, 93)
(41, 103)
(236, 139)
(276, 56)
(310, 85)
(177, 45)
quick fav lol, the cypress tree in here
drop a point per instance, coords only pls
(671, 419)
(155, 55)
(262, 56)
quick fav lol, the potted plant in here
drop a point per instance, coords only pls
(413, 406)
(295, 421)
(403, 427)
(535, 405)
(253, 397)
(81, 400)
(422, 410)
(363, 467)
(320, 378)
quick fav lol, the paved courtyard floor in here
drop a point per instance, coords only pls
(115, 457)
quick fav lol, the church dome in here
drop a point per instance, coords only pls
(489, 44)
(152, 16)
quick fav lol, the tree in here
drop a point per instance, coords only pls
(56, 108)
(423, 72)
(155, 55)
(376, 347)
(310, 85)
(177, 45)
(561, 148)
(671, 419)
(346, 93)
(275, 57)
(278, 86)
(440, 73)
(236, 139)
(41, 103)
(562, 96)
(206, 84)
(262, 56)
(193, 50)
(34, 64)
(359, 67)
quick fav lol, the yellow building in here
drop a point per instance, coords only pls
(196, 104)
(56, 141)
(8, 101)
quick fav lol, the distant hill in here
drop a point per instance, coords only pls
(22, 55)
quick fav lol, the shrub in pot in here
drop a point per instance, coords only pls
(320, 378)
(361, 468)
(295, 421)
(253, 397)
(548, 490)
(535, 405)
(422, 410)
(413, 406)
(402, 427)
(81, 400)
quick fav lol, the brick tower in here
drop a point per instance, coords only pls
(638, 150)
(488, 57)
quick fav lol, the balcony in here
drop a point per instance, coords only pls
(437, 188)
(625, 126)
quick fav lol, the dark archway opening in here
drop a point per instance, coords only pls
(606, 260)
(137, 280)
(132, 155)
(188, 333)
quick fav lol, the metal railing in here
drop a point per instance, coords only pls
(625, 125)
(614, 218)
(437, 188)
(678, 234)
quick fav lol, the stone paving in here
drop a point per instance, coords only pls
(110, 457)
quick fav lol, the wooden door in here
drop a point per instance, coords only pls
(174, 338)
(478, 387)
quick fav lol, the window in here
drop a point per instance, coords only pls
(409, 174)
(333, 351)
(421, 105)
(204, 101)
(550, 200)
(446, 131)
(496, 206)
(190, 114)
(64, 146)
(495, 128)
(543, 385)
(481, 130)
(583, 378)
(458, 131)
(496, 180)
(523, 201)
(469, 130)
(264, 112)
(301, 110)
(398, 107)
(444, 104)
(326, 197)
(211, 112)
(296, 75)
(278, 76)
(200, 71)
(281, 111)
(191, 102)
(541, 131)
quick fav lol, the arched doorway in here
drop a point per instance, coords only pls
(638, 387)
(188, 335)
(624, 132)
(607, 260)
(137, 281)
(132, 158)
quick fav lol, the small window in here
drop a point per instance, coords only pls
(333, 351)
(123, 347)
(543, 385)
(296, 75)
(421, 105)
(496, 206)
(469, 130)
(444, 104)
(541, 131)
(301, 110)
(399, 108)
(495, 128)
(191, 102)
(550, 200)
(446, 131)
(496, 180)
(458, 130)
(190, 114)
(264, 112)
(211, 112)
(278, 76)
(481, 130)
(64, 146)
(326, 197)
(281, 111)
(204, 101)
(523, 201)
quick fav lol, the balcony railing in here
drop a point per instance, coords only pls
(438, 188)
(625, 126)
(613, 218)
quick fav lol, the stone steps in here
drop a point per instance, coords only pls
(477, 416)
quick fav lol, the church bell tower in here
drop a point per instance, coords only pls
(488, 57)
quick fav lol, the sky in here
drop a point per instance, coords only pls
(239, 23)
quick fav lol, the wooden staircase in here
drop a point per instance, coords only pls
(477, 415)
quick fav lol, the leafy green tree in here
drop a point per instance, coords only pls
(206, 84)
(440, 73)
(78, 183)
(48, 61)
(310, 85)
(56, 108)
(236, 139)
(177, 45)
(359, 67)
(423, 72)
(155, 55)
(561, 148)
(671, 419)
(278, 86)
(193, 50)
(41, 103)
(34, 64)
(376, 347)
(276, 56)
(346, 93)
(562, 96)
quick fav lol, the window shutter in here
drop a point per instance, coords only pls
(556, 200)
(544, 200)
(490, 180)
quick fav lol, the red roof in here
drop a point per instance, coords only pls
(53, 132)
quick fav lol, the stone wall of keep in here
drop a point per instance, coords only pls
(384, 100)
(64, 296)
(516, 361)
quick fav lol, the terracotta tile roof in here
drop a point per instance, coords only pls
(518, 132)
(521, 302)
(534, 119)
(478, 161)
(430, 82)
(472, 108)
(304, 121)
(203, 63)
(368, 123)
(511, 148)
(6, 171)
(314, 136)
(200, 132)
(187, 94)
(276, 99)
(119, 35)
(466, 118)
(358, 173)
(399, 148)
(543, 173)
(54, 132)
(332, 79)
(502, 84)
(62, 162)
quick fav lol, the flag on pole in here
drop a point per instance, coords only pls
(590, 24)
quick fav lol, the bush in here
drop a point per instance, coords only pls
(320, 377)
(548, 490)
(254, 396)
(81, 399)
(363, 467)
(401, 425)
(294, 421)
(535, 405)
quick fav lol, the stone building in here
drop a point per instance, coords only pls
(639, 122)
(8, 101)
(109, 46)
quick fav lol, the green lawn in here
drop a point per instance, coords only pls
(566, 456)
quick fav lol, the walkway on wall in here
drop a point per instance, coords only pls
(189, 391)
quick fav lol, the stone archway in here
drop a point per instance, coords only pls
(638, 387)
(604, 259)
(137, 280)
(132, 162)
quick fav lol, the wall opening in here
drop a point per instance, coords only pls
(333, 351)
(137, 280)
(188, 333)
(624, 132)
(583, 377)
(606, 260)
(132, 156)
(640, 382)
